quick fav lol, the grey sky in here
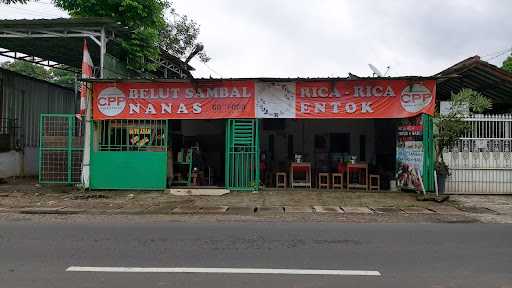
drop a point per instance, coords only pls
(332, 38)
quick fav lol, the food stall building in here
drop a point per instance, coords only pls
(243, 134)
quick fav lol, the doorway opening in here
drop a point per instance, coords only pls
(196, 153)
(325, 146)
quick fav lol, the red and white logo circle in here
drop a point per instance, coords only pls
(415, 97)
(111, 101)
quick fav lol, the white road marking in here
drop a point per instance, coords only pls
(224, 270)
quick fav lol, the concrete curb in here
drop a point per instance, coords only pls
(249, 211)
(298, 209)
(328, 209)
(357, 210)
(270, 210)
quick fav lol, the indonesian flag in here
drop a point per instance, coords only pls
(87, 68)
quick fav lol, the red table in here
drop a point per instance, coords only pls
(359, 166)
(304, 167)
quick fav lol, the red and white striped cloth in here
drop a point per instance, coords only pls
(87, 68)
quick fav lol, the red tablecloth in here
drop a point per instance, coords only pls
(342, 167)
(298, 167)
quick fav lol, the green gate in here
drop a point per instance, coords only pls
(242, 154)
(60, 148)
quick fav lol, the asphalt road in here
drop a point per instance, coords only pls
(406, 255)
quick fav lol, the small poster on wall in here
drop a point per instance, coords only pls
(275, 100)
(409, 153)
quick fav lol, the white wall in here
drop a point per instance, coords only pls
(10, 164)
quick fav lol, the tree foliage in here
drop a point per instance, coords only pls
(507, 64)
(28, 69)
(147, 23)
(144, 19)
(180, 37)
(63, 77)
(451, 126)
(57, 76)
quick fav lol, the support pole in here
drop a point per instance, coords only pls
(435, 183)
(86, 158)
(103, 49)
(421, 181)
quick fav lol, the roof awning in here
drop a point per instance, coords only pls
(491, 81)
(55, 42)
(59, 42)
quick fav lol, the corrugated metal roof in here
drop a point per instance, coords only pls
(62, 23)
(67, 50)
(33, 78)
(25, 98)
(270, 79)
(481, 76)
(63, 50)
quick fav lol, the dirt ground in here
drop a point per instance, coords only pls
(488, 208)
(25, 193)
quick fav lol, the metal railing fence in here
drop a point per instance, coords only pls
(481, 161)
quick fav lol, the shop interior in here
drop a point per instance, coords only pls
(196, 153)
(312, 153)
(307, 153)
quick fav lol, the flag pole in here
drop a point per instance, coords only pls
(85, 108)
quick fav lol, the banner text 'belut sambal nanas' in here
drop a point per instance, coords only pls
(379, 98)
(174, 100)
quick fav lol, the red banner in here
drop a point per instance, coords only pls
(364, 99)
(212, 99)
(174, 100)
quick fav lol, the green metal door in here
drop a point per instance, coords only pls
(242, 154)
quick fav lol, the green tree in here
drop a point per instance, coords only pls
(180, 37)
(146, 19)
(28, 69)
(451, 126)
(57, 76)
(62, 77)
(507, 64)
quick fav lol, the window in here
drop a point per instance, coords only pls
(131, 135)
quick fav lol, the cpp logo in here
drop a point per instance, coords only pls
(415, 97)
(111, 101)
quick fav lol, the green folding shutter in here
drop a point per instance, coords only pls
(242, 154)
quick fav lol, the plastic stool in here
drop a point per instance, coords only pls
(280, 180)
(376, 186)
(337, 180)
(323, 180)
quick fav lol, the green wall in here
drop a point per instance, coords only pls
(428, 153)
(128, 170)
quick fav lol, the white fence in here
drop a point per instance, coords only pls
(481, 161)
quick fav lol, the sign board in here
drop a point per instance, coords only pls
(446, 107)
(216, 99)
(409, 153)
